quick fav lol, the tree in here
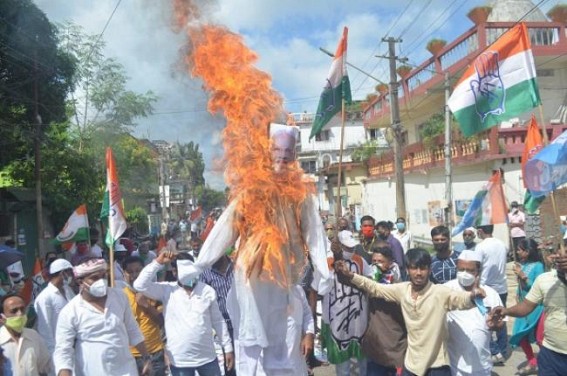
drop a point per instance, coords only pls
(186, 162)
(100, 113)
(210, 198)
(35, 78)
(101, 99)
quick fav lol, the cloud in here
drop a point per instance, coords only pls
(285, 34)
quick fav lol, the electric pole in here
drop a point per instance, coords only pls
(397, 128)
(37, 161)
(448, 152)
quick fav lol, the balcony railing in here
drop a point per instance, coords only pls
(547, 38)
(496, 143)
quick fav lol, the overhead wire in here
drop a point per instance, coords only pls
(390, 28)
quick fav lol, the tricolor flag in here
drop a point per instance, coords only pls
(112, 203)
(76, 229)
(547, 170)
(487, 208)
(499, 85)
(336, 89)
(533, 144)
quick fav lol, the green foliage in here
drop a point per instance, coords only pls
(186, 162)
(364, 151)
(433, 127)
(210, 198)
(31, 66)
(138, 218)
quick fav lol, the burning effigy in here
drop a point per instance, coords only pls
(272, 217)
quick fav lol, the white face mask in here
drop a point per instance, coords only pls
(465, 279)
(99, 288)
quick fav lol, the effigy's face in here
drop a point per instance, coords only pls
(283, 151)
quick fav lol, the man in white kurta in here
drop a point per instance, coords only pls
(469, 337)
(96, 328)
(191, 312)
(52, 299)
(258, 302)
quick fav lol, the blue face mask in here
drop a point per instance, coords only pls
(401, 226)
(190, 283)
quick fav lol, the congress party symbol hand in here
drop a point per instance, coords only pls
(487, 87)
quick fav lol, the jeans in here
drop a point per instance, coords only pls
(209, 369)
(439, 371)
(500, 345)
(343, 369)
(158, 364)
(375, 369)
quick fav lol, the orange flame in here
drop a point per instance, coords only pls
(245, 96)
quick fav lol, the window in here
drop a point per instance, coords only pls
(310, 167)
(323, 136)
(374, 134)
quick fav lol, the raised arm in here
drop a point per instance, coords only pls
(145, 281)
(374, 289)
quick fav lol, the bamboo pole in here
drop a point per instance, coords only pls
(338, 209)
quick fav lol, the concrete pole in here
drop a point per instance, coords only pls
(398, 130)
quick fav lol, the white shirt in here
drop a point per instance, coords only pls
(189, 318)
(405, 239)
(97, 343)
(48, 306)
(118, 272)
(494, 257)
(28, 355)
(96, 250)
(468, 343)
(515, 218)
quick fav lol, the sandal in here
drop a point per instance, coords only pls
(527, 370)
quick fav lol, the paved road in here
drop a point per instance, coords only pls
(516, 359)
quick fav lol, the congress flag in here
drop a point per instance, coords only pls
(487, 208)
(533, 144)
(76, 229)
(499, 84)
(112, 206)
(336, 89)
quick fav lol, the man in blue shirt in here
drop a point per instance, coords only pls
(444, 262)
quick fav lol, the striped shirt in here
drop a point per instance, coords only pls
(221, 283)
(444, 270)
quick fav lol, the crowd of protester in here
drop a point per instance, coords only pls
(393, 309)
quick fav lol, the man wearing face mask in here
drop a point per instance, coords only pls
(52, 299)
(444, 262)
(96, 328)
(345, 311)
(403, 234)
(468, 342)
(384, 231)
(191, 312)
(23, 347)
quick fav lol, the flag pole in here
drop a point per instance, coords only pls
(111, 261)
(551, 195)
(338, 209)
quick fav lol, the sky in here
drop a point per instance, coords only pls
(286, 34)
